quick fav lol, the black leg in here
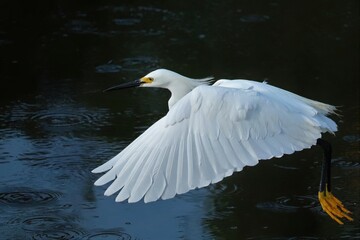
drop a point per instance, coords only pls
(329, 203)
(325, 181)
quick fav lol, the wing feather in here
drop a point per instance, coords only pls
(182, 168)
(193, 162)
(209, 134)
(171, 172)
(158, 178)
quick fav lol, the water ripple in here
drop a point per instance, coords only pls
(109, 67)
(347, 164)
(58, 234)
(253, 18)
(224, 189)
(71, 165)
(140, 62)
(126, 21)
(81, 27)
(129, 64)
(64, 114)
(352, 138)
(66, 118)
(284, 238)
(59, 119)
(42, 223)
(27, 197)
(57, 227)
(113, 235)
(289, 204)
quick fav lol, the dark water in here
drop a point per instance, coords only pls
(56, 124)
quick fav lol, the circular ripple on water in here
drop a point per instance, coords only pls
(47, 224)
(65, 118)
(284, 238)
(27, 197)
(108, 235)
(59, 119)
(224, 189)
(59, 234)
(289, 204)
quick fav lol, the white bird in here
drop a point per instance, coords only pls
(211, 132)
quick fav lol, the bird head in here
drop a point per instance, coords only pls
(157, 78)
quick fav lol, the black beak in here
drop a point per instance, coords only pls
(135, 83)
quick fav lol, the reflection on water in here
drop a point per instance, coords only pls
(56, 124)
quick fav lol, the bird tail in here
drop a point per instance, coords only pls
(322, 108)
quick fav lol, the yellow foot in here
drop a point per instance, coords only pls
(333, 206)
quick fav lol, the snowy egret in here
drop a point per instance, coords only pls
(211, 132)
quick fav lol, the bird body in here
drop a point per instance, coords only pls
(209, 133)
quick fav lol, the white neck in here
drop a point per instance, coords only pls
(182, 86)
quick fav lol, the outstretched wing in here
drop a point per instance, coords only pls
(210, 133)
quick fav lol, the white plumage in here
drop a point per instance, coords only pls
(209, 133)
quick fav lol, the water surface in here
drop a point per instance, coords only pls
(56, 125)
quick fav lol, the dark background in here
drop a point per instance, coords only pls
(56, 124)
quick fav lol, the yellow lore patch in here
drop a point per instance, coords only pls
(146, 80)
